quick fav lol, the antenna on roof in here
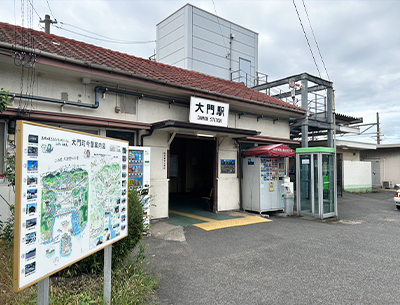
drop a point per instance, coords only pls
(47, 21)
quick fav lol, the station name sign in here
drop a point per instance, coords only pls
(207, 112)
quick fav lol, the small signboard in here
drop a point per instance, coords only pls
(70, 201)
(228, 166)
(207, 112)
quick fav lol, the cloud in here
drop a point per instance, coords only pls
(359, 40)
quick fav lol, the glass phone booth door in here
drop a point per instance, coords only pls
(316, 187)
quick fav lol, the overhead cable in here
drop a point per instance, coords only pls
(223, 38)
(51, 12)
(315, 39)
(309, 46)
(108, 39)
(30, 2)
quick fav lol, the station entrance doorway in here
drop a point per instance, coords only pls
(192, 174)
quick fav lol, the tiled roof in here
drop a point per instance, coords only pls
(91, 54)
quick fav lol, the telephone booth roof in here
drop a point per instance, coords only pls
(275, 150)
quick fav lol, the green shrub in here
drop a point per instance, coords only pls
(120, 249)
(7, 227)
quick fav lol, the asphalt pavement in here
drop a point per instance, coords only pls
(291, 260)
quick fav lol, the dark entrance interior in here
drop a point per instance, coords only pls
(191, 173)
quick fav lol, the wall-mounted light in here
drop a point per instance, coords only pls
(205, 135)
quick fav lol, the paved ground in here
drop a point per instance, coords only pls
(355, 260)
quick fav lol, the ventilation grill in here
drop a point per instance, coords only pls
(64, 96)
(127, 104)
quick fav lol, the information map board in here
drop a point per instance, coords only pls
(71, 198)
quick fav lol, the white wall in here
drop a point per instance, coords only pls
(267, 127)
(349, 155)
(196, 40)
(228, 184)
(390, 162)
(357, 176)
(158, 174)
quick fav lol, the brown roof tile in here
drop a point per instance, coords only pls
(120, 61)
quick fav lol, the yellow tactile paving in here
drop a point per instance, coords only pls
(235, 222)
(212, 224)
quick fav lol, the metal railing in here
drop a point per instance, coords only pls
(241, 76)
(317, 106)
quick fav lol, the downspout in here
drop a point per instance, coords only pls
(146, 135)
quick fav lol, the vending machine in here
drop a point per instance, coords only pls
(265, 178)
(139, 178)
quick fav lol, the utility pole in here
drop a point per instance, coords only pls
(378, 130)
(47, 21)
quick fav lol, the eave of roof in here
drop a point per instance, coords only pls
(181, 126)
(66, 118)
(347, 119)
(382, 146)
(75, 52)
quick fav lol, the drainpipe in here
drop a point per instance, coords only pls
(52, 100)
(146, 135)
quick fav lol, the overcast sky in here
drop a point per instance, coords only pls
(359, 41)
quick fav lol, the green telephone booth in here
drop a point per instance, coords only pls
(315, 182)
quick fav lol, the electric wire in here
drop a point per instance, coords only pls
(315, 39)
(30, 2)
(312, 54)
(108, 38)
(105, 40)
(223, 38)
(51, 12)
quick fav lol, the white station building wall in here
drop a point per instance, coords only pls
(194, 39)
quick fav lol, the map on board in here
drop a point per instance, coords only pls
(64, 208)
(106, 199)
(71, 198)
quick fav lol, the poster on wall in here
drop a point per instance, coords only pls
(70, 201)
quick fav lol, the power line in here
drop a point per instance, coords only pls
(107, 40)
(315, 39)
(30, 2)
(309, 46)
(51, 12)
(223, 39)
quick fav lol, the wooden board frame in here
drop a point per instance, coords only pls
(91, 159)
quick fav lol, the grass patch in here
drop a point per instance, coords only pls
(131, 284)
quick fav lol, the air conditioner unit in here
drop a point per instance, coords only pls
(387, 184)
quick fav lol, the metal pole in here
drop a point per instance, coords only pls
(304, 105)
(330, 114)
(107, 275)
(47, 22)
(378, 130)
(335, 157)
(43, 292)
